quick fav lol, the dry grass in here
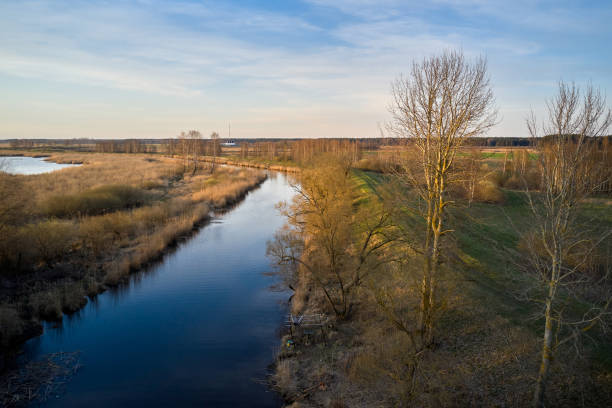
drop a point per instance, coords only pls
(485, 353)
(95, 201)
(220, 195)
(118, 214)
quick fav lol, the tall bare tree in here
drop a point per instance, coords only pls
(561, 244)
(443, 100)
(194, 139)
(215, 147)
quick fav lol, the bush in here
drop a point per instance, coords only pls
(488, 192)
(47, 241)
(514, 183)
(95, 201)
(47, 305)
(497, 178)
(11, 324)
(73, 297)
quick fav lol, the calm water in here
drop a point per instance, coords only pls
(199, 329)
(31, 165)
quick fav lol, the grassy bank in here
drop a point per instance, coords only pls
(488, 341)
(257, 163)
(70, 234)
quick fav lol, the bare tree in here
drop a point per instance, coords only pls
(443, 100)
(561, 244)
(215, 146)
(194, 139)
(334, 244)
(183, 143)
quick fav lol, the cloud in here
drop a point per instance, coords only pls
(213, 58)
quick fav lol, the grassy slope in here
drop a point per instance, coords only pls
(483, 233)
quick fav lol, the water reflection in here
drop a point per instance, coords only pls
(30, 165)
(197, 329)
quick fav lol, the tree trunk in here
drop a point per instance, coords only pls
(538, 398)
(429, 329)
(547, 352)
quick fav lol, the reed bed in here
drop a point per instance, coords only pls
(83, 229)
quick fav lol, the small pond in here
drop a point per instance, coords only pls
(29, 165)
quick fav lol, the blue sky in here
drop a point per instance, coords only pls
(312, 68)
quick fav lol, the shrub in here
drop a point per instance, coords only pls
(73, 297)
(488, 192)
(48, 241)
(284, 378)
(498, 178)
(514, 183)
(11, 324)
(117, 272)
(47, 305)
(95, 201)
(152, 184)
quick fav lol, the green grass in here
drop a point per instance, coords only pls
(367, 184)
(483, 234)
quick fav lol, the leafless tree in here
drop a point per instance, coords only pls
(336, 245)
(443, 100)
(194, 139)
(561, 245)
(215, 147)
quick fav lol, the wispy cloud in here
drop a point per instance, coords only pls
(328, 62)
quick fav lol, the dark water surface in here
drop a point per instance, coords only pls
(198, 329)
(31, 165)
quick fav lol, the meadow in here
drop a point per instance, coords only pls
(487, 340)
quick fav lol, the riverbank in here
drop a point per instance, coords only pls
(487, 343)
(267, 165)
(71, 234)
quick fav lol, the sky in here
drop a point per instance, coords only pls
(310, 68)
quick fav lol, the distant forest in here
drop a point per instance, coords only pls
(155, 145)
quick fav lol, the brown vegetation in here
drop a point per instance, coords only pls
(443, 312)
(70, 233)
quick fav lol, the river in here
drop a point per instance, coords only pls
(197, 329)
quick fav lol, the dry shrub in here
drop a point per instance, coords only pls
(531, 180)
(48, 241)
(13, 199)
(383, 366)
(91, 286)
(228, 192)
(96, 239)
(117, 271)
(95, 201)
(10, 249)
(73, 297)
(99, 170)
(375, 164)
(514, 182)
(47, 304)
(497, 178)
(12, 326)
(284, 380)
(152, 184)
(486, 191)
